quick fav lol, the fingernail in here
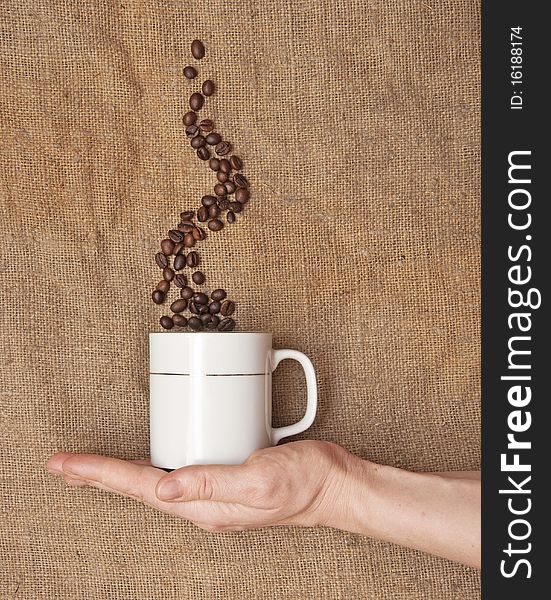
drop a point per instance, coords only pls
(55, 463)
(169, 490)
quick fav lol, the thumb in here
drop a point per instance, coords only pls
(219, 483)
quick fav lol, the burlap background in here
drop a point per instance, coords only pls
(359, 124)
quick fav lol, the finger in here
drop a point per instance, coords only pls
(227, 516)
(221, 516)
(219, 483)
(140, 481)
(74, 482)
(221, 528)
(111, 474)
(56, 461)
(54, 465)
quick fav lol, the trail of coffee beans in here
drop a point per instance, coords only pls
(231, 193)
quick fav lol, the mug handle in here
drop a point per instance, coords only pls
(311, 391)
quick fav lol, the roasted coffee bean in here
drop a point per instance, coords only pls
(189, 118)
(230, 187)
(179, 263)
(225, 165)
(200, 298)
(240, 180)
(206, 125)
(190, 72)
(198, 309)
(222, 177)
(236, 207)
(215, 225)
(178, 248)
(220, 189)
(214, 163)
(230, 217)
(197, 49)
(214, 307)
(183, 228)
(167, 247)
(180, 280)
(192, 131)
(168, 274)
(179, 320)
(186, 227)
(192, 260)
(208, 87)
(163, 286)
(194, 323)
(223, 148)
(187, 215)
(208, 201)
(199, 234)
(202, 214)
(203, 153)
(178, 306)
(213, 139)
(176, 236)
(213, 322)
(236, 163)
(158, 297)
(166, 322)
(226, 325)
(198, 277)
(196, 101)
(197, 142)
(214, 211)
(218, 294)
(227, 308)
(242, 195)
(205, 319)
(186, 293)
(223, 203)
(189, 240)
(161, 260)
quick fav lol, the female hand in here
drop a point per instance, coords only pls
(303, 483)
(291, 484)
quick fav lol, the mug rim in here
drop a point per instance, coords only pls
(210, 333)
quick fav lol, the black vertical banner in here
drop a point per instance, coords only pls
(516, 267)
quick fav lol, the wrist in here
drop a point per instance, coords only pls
(348, 493)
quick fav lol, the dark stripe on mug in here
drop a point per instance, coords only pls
(214, 374)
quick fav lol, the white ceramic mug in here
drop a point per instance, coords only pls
(211, 397)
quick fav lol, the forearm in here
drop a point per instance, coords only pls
(474, 475)
(435, 513)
